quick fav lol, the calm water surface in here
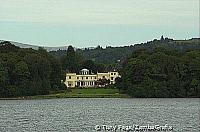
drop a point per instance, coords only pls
(83, 114)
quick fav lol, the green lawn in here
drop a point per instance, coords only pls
(94, 91)
(85, 93)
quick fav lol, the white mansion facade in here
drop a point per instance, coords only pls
(84, 79)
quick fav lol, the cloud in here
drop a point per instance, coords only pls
(122, 12)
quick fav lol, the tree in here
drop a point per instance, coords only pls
(70, 61)
(103, 81)
(162, 38)
(25, 72)
(3, 81)
(161, 73)
(21, 77)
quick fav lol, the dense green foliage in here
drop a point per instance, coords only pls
(161, 73)
(71, 60)
(115, 55)
(159, 68)
(25, 72)
(112, 57)
(74, 62)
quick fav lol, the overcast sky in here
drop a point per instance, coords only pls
(85, 23)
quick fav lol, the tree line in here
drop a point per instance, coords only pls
(151, 71)
(73, 61)
(115, 55)
(161, 73)
(26, 72)
(110, 58)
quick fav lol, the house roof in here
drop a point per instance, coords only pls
(84, 69)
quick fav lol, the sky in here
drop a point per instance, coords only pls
(88, 23)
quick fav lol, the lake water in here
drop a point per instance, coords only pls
(84, 114)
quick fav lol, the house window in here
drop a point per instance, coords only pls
(95, 77)
(86, 77)
(114, 73)
(91, 77)
(77, 77)
(82, 78)
(111, 73)
(112, 78)
(70, 77)
(103, 76)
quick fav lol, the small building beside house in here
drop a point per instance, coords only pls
(87, 79)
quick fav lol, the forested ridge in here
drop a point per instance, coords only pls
(158, 68)
(113, 55)
(28, 72)
(161, 73)
(25, 72)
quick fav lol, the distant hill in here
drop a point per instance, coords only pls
(111, 55)
(21, 45)
(180, 45)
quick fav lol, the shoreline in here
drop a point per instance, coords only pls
(123, 96)
(79, 93)
(76, 93)
(68, 96)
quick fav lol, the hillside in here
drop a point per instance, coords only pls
(27, 72)
(21, 45)
(113, 55)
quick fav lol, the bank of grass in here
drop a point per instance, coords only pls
(83, 93)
